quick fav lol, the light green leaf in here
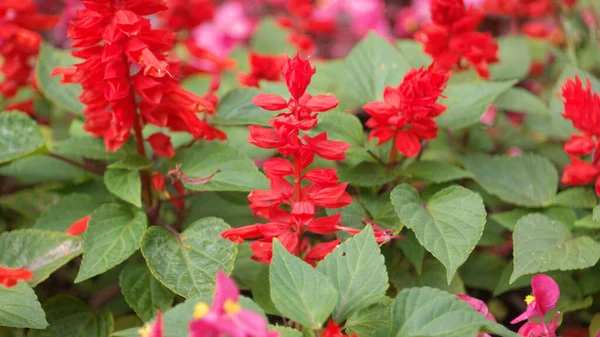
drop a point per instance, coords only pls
(285, 331)
(32, 202)
(466, 102)
(341, 127)
(114, 233)
(70, 208)
(412, 249)
(19, 136)
(357, 271)
(20, 308)
(370, 66)
(542, 244)
(576, 197)
(188, 264)
(367, 321)
(69, 316)
(66, 96)
(431, 312)
(36, 169)
(124, 184)
(237, 172)
(131, 162)
(145, 294)
(528, 180)
(366, 174)
(298, 291)
(237, 108)
(271, 39)
(504, 285)
(448, 225)
(515, 59)
(596, 214)
(91, 147)
(38, 250)
(521, 100)
(587, 222)
(437, 172)
(413, 53)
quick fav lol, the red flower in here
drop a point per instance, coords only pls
(545, 296)
(406, 115)
(79, 226)
(262, 67)
(452, 37)
(126, 78)
(333, 330)
(161, 144)
(10, 277)
(187, 14)
(522, 8)
(318, 252)
(158, 182)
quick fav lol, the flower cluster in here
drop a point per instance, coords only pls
(582, 108)
(126, 78)
(519, 8)
(452, 39)
(19, 42)
(406, 115)
(302, 23)
(188, 14)
(225, 316)
(262, 67)
(9, 277)
(289, 226)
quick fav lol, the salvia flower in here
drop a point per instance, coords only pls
(519, 8)
(225, 316)
(582, 108)
(480, 306)
(545, 296)
(79, 226)
(452, 41)
(188, 14)
(262, 67)
(126, 78)
(153, 329)
(289, 205)
(406, 114)
(10, 277)
(334, 330)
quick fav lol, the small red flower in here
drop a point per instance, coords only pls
(10, 277)
(333, 330)
(188, 14)
(161, 144)
(519, 8)
(262, 67)
(79, 226)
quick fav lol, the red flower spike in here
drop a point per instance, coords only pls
(545, 296)
(446, 12)
(10, 277)
(297, 74)
(325, 225)
(79, 226)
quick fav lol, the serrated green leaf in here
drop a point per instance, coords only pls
(66, 96)
(370, 66)
(576, 197)
(367, 321)
(366, 174)
(237, 108)
(188, 264)
(542, 244)
(20, 308)
(285, 331)
(432, 312)
(145, 294)
(521, 100)
(298, 291)
(466, 102)
(341, 127)
(19, 136)
(271, 39)
(448, 225)
(124, 184)
(38, 250)
(69, 316)
(237, 172)
(436, 171)
(357, 271)
(515, 60)
(261, 292)
(91, 147)
(114, 233)
(70, 208)
(528, 180)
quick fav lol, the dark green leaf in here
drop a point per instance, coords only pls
(366, 321)
(60, 216)
(20, 308)
(19, 136)
(145, 294)
(436, 171)
(237, 108)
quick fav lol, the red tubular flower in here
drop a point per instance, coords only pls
(333, 330)
(187, 14)
(287, 189)
(452, 37)
(126, 78)
(10, 277)
(79, 226)
(262, 67)
(161, 144)
(406, 115)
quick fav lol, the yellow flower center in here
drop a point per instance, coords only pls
(231, 307)
(145, 331)
(200, 310)
(529, 299)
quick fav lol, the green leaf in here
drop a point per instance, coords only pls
(515, 59)
(448, 225)
(542, 244)
(269, 38)
(576, 197)
(19, 136)
(69, 316)
(504, 285)
(357, 271)
(482, 271)
(261, 291)
(40, 251)
(65, 96)
(37, 169)
(596, 214)
(237, 108)
(60, 216)
(528, 180)
(366, 174)
(188, 264)
(432, 312)
(341, 127)
(145, 294)
(587, 222)
(466, 102)
(232, 207)
(370, 66)
(521, 100)
(114, 233)
(412, 249)
(237, 172)
(131, 162)
(367, 321)
(285, 331)
(436, 171)
(413, 53)
(298, 291)
(432, 275)
(125, 185)
(20, 308)
(91, 147)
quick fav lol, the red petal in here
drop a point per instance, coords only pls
(322, 103)
(270, 102)
(407, 143)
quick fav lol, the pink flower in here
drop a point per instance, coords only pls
(489, 116)
(365, 15)
(226, 316)
(545, 295)
(154, 329)
(535, 329)
(480, 306)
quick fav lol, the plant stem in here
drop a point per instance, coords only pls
(393, 153)
(146, 185)
(381, 162)
(77, 164)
